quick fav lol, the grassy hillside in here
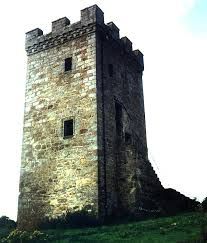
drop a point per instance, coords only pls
(180, 228)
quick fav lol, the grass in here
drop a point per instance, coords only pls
(181, 228)
(185, 228)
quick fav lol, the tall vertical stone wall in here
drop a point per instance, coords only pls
(57, 174)
(129, 180)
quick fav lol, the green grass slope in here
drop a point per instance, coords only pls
(182, 228)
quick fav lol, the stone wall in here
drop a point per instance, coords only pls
(127, 175)
(59, 174)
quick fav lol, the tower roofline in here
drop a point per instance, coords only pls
(92, 19)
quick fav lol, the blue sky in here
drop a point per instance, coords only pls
(196, 19)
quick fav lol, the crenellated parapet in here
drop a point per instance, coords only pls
(59, 25)
(63, 31)
(92, 14)
(113, 30)
(36, 43)
(92, 20)
(140, 59)
(127, 44)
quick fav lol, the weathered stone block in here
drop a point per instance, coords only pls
(114, 30)
(58, 25)
(92, 14)
(127, 43)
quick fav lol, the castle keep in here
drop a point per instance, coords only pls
(84, 140)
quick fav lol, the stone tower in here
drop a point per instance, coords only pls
(84, 140)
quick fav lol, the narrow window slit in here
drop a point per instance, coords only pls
(68, 64)
(118, 118)
(68, 128)
(110, 70)
(128, 138)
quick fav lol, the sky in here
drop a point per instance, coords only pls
(172, 34)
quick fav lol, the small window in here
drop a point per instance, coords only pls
(68, 128)
(68, 64)
(128, 138)
(110, 70)
(118, 118)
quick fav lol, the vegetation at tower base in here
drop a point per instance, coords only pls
(78, 219)
(18, 236)
(6, 226)
(7, 222)
(183, 228)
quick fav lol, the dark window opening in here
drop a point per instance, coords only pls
(68, 128)
(118, 118)
(68, 64)
(111, 70)
(128, 138)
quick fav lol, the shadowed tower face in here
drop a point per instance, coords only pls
(84, 141)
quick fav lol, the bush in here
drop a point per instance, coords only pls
(18, 236)
(5, 222)
(173, 202)
(81, 218)
(204, 205)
